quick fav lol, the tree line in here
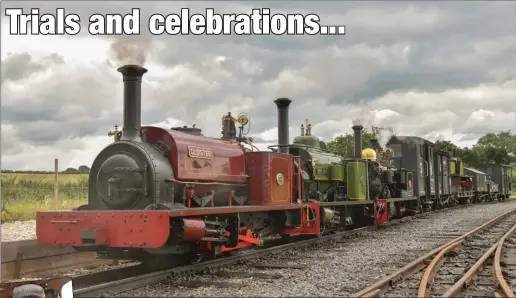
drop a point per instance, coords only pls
(80, 170)
(491, 148)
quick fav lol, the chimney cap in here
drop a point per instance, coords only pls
(357, 127)
(132, 70)
(282, 102)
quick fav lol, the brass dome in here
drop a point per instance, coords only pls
(369, 153)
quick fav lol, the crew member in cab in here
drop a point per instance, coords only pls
(375, 183)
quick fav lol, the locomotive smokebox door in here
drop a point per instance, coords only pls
(121, 181)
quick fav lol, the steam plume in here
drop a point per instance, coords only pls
(383, 135)
(128, 49)
(364, 117)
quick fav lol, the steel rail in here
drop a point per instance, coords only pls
(470, 274)
(434, 266)
(497, 270)
(376, 289)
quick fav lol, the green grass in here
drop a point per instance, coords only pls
(46, 178)
(24, 194)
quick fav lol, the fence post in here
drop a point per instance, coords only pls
(56, 183)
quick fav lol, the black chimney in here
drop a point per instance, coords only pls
(283, 139)
(132, 101)
(357, 129)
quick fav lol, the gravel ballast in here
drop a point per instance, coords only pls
(18, 230)
(338, 268)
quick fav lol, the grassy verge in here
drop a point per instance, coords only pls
(24, 194)
(26, 210)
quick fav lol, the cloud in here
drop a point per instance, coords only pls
(19, 66)
(435, 69)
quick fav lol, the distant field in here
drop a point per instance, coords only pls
(46, 178)
(25, 193)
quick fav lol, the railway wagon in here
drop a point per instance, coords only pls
(501, 175)
(480, 183)
(161, 195)
(432, 181)
(441, 179)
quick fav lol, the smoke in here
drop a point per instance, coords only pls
(370, 118)
(127, 49)
(383, 135)
(365, 117)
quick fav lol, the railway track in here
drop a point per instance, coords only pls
(88, 288)
(476, 264)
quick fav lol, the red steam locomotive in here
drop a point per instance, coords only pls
(163, 191)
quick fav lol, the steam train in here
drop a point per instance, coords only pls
(159, 193)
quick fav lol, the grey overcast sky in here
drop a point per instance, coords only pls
(433, 69)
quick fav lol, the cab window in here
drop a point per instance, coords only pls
(395, 149)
